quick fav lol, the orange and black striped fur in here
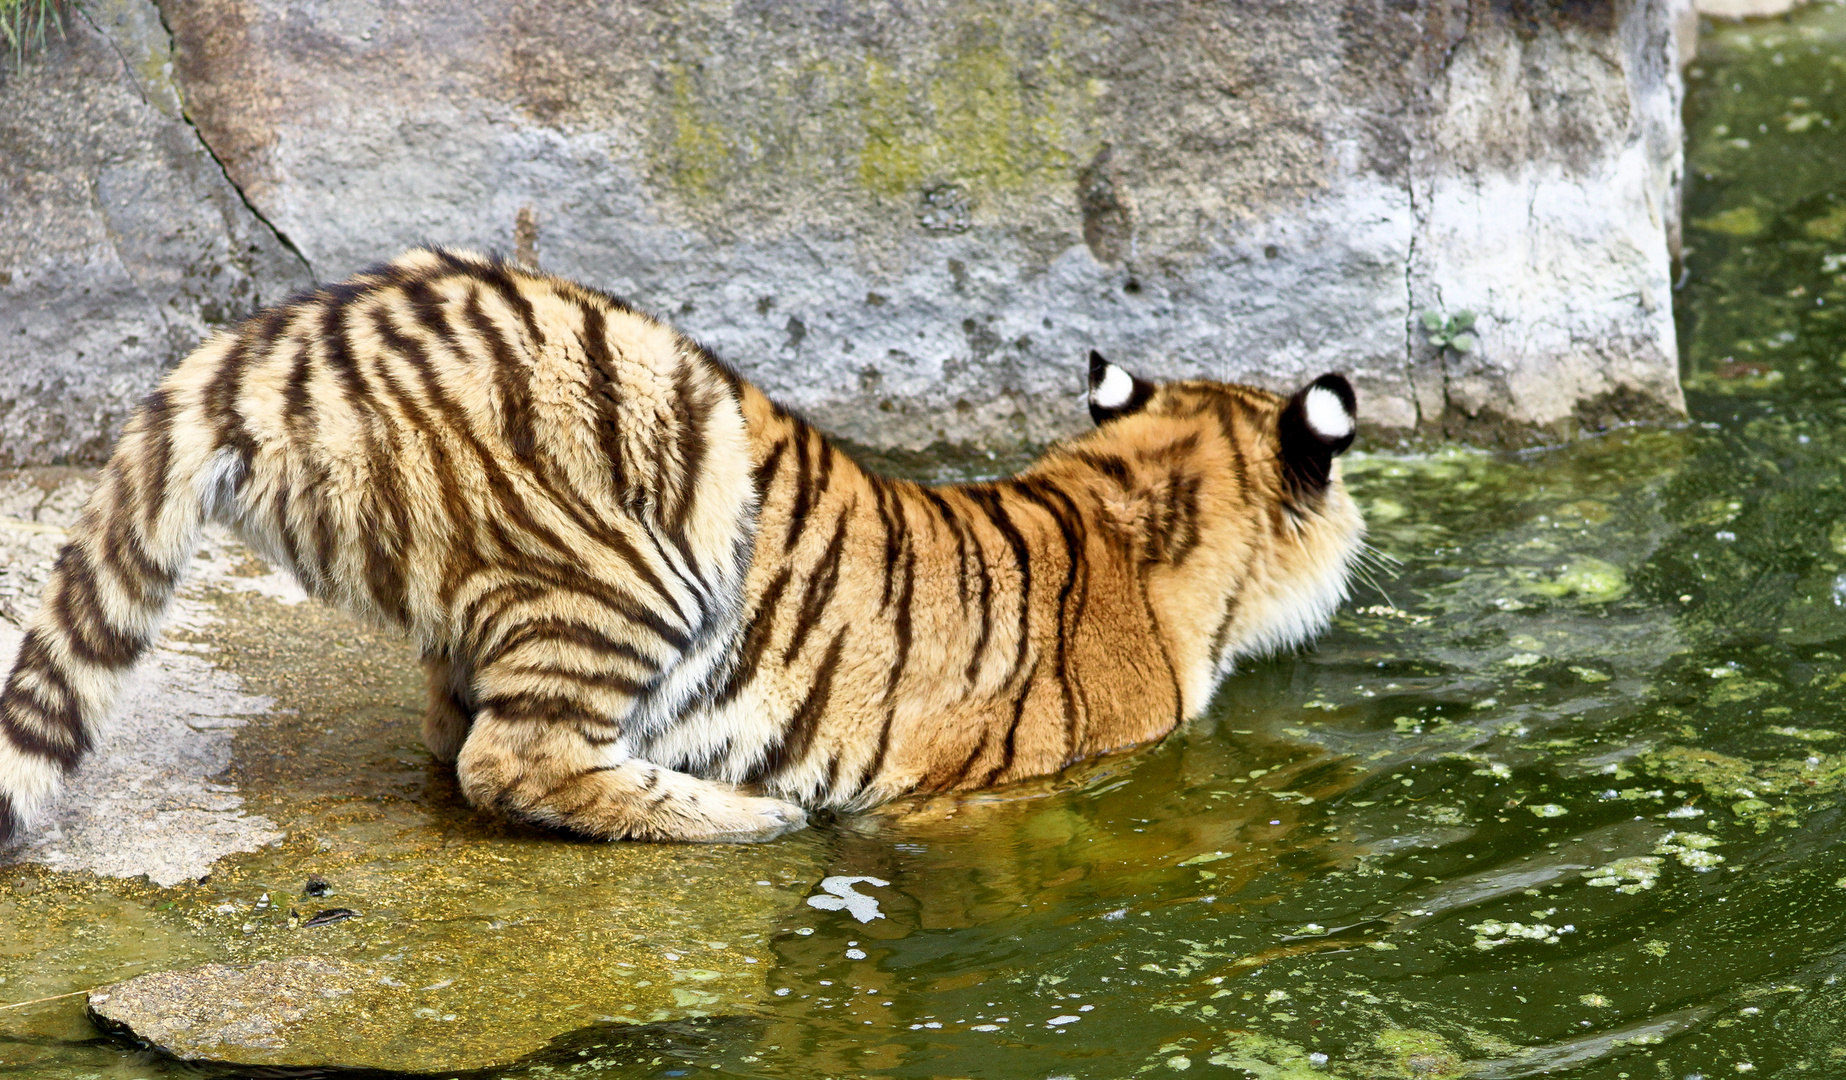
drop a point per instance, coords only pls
(655, 605)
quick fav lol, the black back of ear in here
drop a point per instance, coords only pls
(1316, 426)
(1114, 391)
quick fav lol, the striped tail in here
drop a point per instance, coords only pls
(109, 589)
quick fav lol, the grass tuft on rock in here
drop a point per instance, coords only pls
(23, 23)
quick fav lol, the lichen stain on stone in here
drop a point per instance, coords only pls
(994, 109)
(699, 146)
(989, 131)
(891, 161)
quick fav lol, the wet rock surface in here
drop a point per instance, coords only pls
(150, 800)
(262, 824)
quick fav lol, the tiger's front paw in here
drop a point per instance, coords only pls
(752, 821)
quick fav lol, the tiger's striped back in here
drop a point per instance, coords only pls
(653, 604)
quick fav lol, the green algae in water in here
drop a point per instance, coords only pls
(1766, 118)
(1420, 1053)
(1588, 578)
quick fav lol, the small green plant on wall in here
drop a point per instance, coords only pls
(24, 22)
(1455, 332)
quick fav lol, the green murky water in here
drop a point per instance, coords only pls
(1561, 797)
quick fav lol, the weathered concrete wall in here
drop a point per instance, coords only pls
(913, 220)
(1545, 194)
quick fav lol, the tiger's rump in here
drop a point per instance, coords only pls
(471, 439)
(548, 492)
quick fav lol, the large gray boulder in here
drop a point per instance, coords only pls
(121, 242)
(912, 221)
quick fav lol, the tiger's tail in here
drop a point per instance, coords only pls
(109, 588)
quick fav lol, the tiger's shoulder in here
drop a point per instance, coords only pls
(901, 637)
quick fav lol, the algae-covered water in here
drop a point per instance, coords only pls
(1562, 796)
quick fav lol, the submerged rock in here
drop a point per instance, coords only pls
(305, 1010)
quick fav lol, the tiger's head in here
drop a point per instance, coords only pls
(1230, 502)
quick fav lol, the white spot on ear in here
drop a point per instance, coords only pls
(1327, 414)
(1116, 387)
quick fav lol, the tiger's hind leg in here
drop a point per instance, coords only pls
(546, 746)
(447, 717)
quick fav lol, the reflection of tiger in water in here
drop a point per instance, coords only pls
(653, 604)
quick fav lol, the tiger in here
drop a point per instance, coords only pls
(653, 604)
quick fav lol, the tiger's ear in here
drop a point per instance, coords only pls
(1113, 391)
(1315, 427)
